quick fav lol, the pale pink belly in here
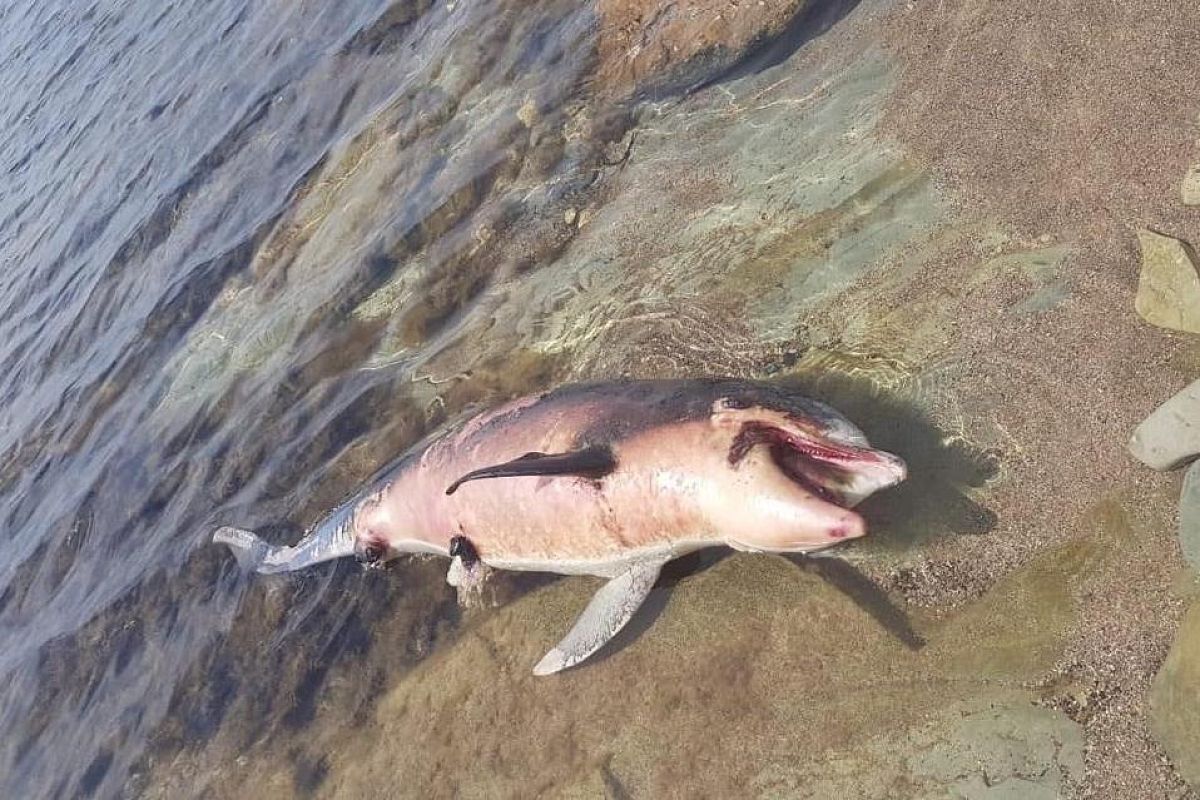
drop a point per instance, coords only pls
(648, 501)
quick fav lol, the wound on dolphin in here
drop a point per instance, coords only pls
(607, 479)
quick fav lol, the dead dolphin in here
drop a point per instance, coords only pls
(611, 479)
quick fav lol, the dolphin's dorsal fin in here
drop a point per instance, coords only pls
(609, 610)
(590, 462)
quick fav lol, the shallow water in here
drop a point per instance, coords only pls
(256, 251)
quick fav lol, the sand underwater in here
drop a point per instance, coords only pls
(925, 213)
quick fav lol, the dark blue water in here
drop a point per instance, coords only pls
(156, 163)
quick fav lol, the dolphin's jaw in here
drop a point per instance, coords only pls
(838, 472)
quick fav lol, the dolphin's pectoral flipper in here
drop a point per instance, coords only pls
(609, 610)
(467, 571)
(461, 547)
(590, 462)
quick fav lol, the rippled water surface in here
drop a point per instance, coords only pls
(198, 199)
(253, 251)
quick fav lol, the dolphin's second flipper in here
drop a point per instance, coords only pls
(467, 572)
(590, 462)
(608, 611)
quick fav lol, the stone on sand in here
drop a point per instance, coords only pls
(1174, 712)
(1169, 289)
(1171, 434)
(1190, 188)
(1189, 516)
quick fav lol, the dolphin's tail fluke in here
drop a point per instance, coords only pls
(249, 550)
(329, 540)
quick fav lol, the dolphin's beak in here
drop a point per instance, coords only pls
(841, 473)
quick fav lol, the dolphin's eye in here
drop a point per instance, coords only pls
(372, 553)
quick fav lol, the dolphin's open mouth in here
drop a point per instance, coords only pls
(837, 472)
